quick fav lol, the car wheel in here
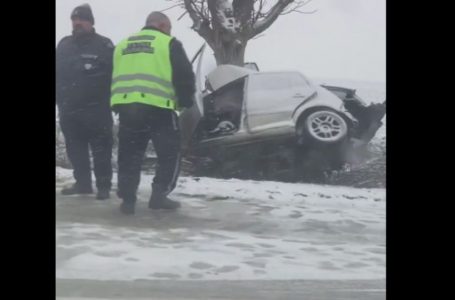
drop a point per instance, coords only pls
(325, 126)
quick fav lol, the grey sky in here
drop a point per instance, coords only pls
(343, 39)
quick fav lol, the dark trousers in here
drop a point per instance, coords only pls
(84, 131)
(140, 123)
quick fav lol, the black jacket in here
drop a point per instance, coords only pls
(183, 77)
(83, 73)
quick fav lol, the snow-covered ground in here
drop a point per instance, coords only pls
(225, 230)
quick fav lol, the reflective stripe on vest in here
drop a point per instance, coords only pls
(142, 89)
(146, 77)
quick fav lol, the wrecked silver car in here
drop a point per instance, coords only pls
(272, 125)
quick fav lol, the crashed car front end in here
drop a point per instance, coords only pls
(368, 118)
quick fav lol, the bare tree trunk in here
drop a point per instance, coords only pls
(231, 52)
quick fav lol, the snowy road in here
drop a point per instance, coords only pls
(231, 238)
(222, 290)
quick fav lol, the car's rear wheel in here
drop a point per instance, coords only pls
(324, 126)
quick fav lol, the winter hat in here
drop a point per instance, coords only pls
(84, 12)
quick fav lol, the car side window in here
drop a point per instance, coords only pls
(272, 82)
(299, 80)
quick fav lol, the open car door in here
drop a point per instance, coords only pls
(202, 63)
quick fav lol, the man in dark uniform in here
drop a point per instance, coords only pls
(83, 79)
(152, 79)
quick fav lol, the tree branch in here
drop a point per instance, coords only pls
(259, 13)
(171, 7)
(273, 14)
(193, 13)
(298, 5)
(214, 8)
(298, 11)
(182, 15)
(243, 11)
(200, 24)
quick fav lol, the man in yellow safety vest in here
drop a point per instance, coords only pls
(152, 78)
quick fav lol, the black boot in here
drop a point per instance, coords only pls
(103, 194)
(77, 189)
(159, 200)
(127, 208)
(128, 205)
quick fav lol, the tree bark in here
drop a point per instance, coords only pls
(230, 52)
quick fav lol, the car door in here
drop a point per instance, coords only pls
(203, 62)
(272, 98)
